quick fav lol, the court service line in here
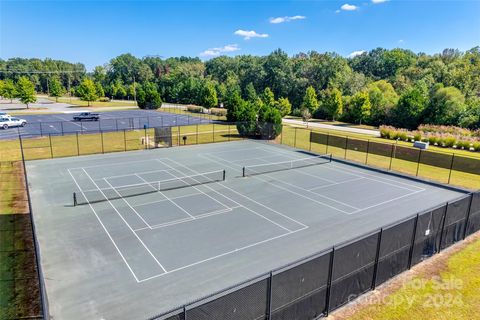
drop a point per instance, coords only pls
(358, 172)
(387, 201)
(306, 190)
(173, 202)
(334, 184)
(104, 228)
(172, 198)
(278, 187)
(146, 248)
(127, 162)
(131, 174)
(223, 254)
(250, 199)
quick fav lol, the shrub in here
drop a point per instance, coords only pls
(218, 112)
(417, 136)
(195, 109)
(476, 145)
(450, 142)
(104, 99)
(297, 112)
(432, 140)
(385, 131)
(463, 144)
(402, 136)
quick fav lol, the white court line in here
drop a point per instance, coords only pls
(334, 184)
(223, 254)
(172, 198)
(146, 248)
(131, 174)
(358, 172)
(104, 228)
(195, 187)
(307, 190)
(250, 199)
(279, 187)
(128, 204)
(185, 220)
(384, 202)
(173, 202)
(128, 162)
(257, 158)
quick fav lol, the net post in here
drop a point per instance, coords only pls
(243, 172)
(224, 174)
(330, 157)
(75, 203)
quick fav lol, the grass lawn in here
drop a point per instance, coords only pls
(445, 287)
(193, 114)
(93, 104)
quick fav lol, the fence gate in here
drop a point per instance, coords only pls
(163, 137)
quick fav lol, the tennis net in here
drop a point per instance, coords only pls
(119, 192)
(285, 165)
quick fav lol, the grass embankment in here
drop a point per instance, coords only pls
(178, 110)
(301, 139)
(445, 287)
(19, 291)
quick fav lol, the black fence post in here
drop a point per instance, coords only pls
(145, 139)
(412, 246)
(443, 227)
(329, 282)
(269, 297)
(61, 124)
(281, 135)
(41, 130)
(346, 147)
(418, 161)
(213, 132)
(451, 168)
(295, 138)
(101, 136)
(468, 216)
(228, 131)
(184, 312)
(81, 127)
(377, 257)
(125, 139)
(116, 124)
(50, 141)
(78, 145)
(196, 136)
(310, 140)
(391, 156)
(328, 140)
(368, 149)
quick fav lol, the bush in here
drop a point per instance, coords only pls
(432, 140)
(476, 146)
(104, 99)
(463, 144)
(297, 113)
(417, 136)
(195, 109)
(221, 112)
(450, 142)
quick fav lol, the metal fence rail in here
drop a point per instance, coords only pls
(313, 287)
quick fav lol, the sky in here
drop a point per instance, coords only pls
(93, 32)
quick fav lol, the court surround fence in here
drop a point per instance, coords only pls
(314, 286)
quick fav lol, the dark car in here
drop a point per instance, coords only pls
(86, 116)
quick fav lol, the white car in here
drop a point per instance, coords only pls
(8, 122)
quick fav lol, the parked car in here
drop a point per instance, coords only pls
(8, 122)
(86, 116)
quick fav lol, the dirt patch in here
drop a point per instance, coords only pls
(427, 269)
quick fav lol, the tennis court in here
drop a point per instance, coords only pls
(152, 230)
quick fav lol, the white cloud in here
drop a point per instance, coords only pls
(337, 11)
(214, 52)
(379, 1)
(250, 34)
(401, 41)
(356, 53)
(286, 19)
(349, 7)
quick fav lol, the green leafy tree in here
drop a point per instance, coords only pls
(25, 91)
(56, 88)
(234, 103)
(471, 117)
(446, 106)
(209, 95)
(383, 98)
(99, 88)
(9, 90)
(331, 103)
(148, 97)
(306, 115)
(360, 107)
(87, 91)
(268, 97)
(284, 106)
(410, 108)
(310, 101)
(271, 124)
(250, 92)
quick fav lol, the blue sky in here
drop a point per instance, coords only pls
(92, 32)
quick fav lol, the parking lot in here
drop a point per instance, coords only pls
(55, 124)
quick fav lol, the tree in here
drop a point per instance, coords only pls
(306, 115)
(99, 88)
(271, 125)
(383, 98)
(268, 97)
(409, 110)
(9, 90)
(25, 91)
(331, 103)
(209, 95)
(250, 93)
(87, 91)
(360, 107)
(310, 101)
(446, 106)
(148, 97)
(284, 106)
(56, 88)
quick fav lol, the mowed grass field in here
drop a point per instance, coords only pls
(94, 104)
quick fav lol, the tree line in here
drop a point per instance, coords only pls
(396, 87)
